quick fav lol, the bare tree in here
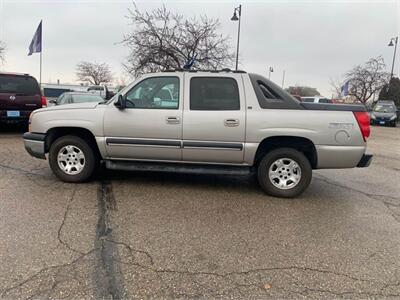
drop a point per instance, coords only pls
(336, 87)
(303, 91)
(93, 73)
(366, 80)
(163, 40)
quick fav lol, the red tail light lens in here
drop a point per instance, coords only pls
(44, 101)
(363, 121)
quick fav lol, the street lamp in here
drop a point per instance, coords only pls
(394, 54)
(237, 11)
(271, 69)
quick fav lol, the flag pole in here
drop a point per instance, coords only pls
(40, 79)
(41, 51)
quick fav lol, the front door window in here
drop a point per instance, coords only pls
(154, 93)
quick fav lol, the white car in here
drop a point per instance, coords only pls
(100, 90)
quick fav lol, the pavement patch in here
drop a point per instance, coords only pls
(107, 273)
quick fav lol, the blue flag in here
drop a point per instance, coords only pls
(344, 90)
(36, 44)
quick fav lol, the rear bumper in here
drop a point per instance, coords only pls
(338, 157)
(24, 116)
(365, 161)
(34, 144)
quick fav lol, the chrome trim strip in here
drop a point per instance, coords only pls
(143, 142)
(169, 143)
(212, 145)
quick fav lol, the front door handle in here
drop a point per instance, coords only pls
(173, 120)
(231, 122)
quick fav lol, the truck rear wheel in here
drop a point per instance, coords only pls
(284, 172)
(72, 159)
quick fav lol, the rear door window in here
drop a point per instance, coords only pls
(19, 85)
(214, 93)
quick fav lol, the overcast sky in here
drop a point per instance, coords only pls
(312, 40)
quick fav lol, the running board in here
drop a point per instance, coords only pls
(177, 168)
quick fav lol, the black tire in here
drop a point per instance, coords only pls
(282, 153)
(394, 124)
(91, 160)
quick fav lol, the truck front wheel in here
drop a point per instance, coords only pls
(72, 159)
(284, 172)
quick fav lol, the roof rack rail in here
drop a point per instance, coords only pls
(226, 70)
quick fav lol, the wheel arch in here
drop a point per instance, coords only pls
(301, 144)
(56, 132)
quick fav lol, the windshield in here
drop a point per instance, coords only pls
(23, 85)
(384, 108)
(81, 98)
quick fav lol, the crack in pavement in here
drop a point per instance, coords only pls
(18, 170)
(43, 271)
(107, 279)
(232, 276)
(378, 197)
(59, 232)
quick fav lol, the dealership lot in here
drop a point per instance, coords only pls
(169, 235)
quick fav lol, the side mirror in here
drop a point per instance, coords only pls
(121, 102)
(53, 102)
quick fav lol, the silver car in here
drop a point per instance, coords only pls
(224, 122)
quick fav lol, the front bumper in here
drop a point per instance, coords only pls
(34, 144)
(365, 161)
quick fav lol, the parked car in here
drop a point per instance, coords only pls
(316, 99)
(77, 97)
(384, 113)
(19, 95)
(100, 90)
(202, 122)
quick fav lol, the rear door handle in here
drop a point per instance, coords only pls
(231, 122)
(173, 120)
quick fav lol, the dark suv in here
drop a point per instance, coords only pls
(384, 113)
(19, 95)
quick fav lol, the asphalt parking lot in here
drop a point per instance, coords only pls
(141, 235)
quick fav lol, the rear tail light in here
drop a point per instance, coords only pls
(363, 121)
(43, 101)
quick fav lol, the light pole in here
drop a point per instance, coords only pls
(237, 11)
(271, 69)
(394, 54)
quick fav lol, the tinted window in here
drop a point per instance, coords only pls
(155, 92)
(96, 88)
(272, 96)
(267, 91)
(308, 100)
(214, 94)
(81, 98)
(325, 100)
(54, 93)
(23, 85)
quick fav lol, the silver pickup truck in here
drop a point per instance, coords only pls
(222, 122)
